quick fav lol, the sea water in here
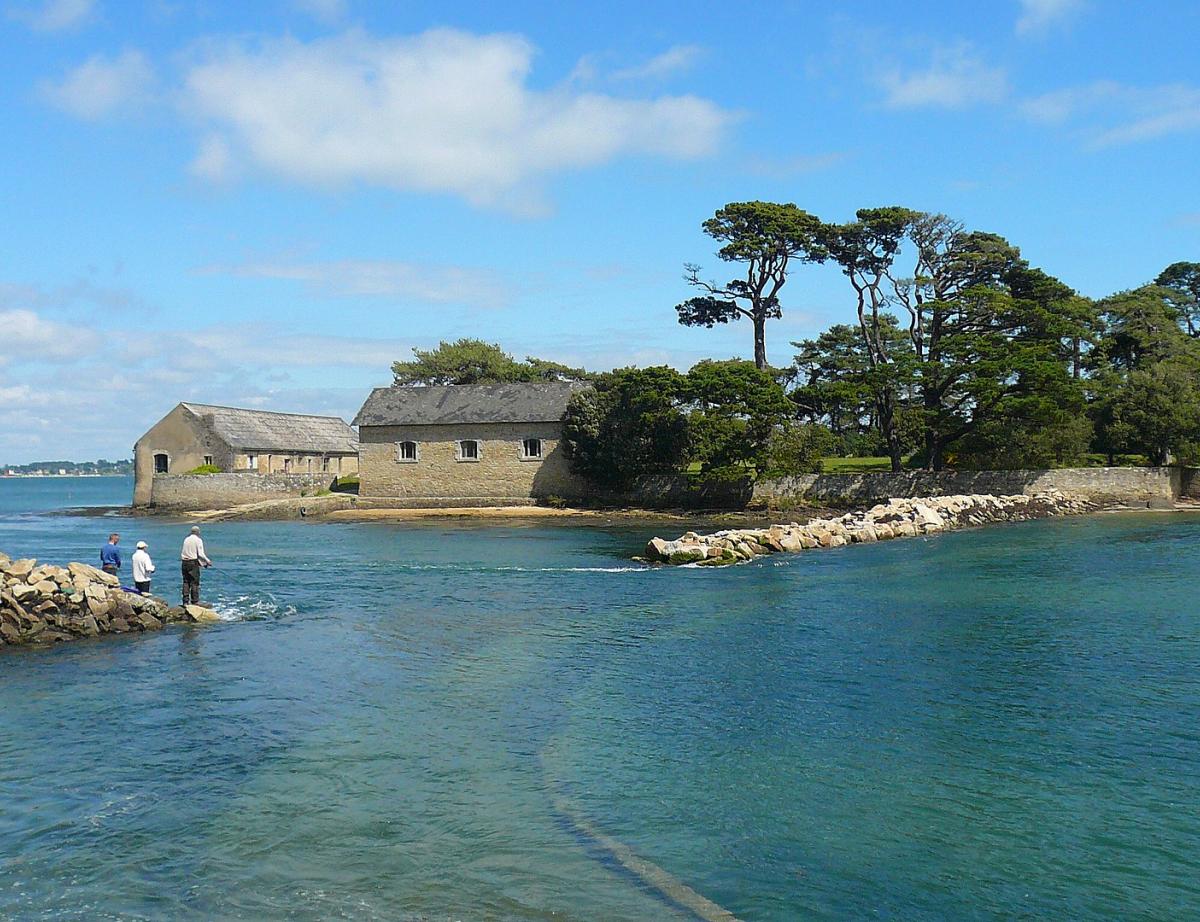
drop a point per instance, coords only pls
(460, 721)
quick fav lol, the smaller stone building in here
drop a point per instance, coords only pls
(466, 445)
(242, 441)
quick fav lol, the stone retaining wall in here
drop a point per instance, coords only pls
(190, 492)
(1097, 484)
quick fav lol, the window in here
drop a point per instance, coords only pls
(407, 453)
(468, 450)
(531, 449)
(325, 465)
(208, 459)
(287, 465)
(160, 463)
(252, 462)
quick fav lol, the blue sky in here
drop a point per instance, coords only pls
(265, 204)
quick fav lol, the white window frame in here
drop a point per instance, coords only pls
(251, 462)
(208, 459)
(524, 454)
(416, 451)
(458, 451)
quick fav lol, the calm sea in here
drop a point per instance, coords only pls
(447, 721)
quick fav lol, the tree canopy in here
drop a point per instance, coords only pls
(473, 361)
(766, 238)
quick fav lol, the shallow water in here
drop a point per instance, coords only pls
(424, 721)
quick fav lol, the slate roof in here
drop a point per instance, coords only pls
(445, 405)
(282, 432)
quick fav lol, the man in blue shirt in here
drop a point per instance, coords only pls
(110, 555)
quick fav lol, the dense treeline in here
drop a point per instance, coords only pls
(955, 351)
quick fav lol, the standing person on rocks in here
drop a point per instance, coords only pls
(192, 559)
(110, 555)
(143, 568)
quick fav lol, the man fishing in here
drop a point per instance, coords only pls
(192, 558)
(110, 555)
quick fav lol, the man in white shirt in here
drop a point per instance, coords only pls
(192, 559)
(143, 568)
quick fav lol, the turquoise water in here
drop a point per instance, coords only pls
(431, 722)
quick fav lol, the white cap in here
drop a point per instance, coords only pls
(141, 544)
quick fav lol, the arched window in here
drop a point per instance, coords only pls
(407, 453)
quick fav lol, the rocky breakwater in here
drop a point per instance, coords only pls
(897, 518)
(43, 604)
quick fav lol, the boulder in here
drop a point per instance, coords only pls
(23, 591)
(684, 553)
(20, 569)
(201, 615)
(91, 574)
(658, 549)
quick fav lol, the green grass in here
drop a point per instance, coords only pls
(855, 465)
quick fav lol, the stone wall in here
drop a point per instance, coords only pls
(439, 477)
(1099, 484)
(182, 492)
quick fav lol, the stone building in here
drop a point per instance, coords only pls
(465, 445)
(255, 442)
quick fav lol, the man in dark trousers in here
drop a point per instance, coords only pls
(110, 555)
(192, 558)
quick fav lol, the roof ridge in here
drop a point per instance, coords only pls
(220, 406)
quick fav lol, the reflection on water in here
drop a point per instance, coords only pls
(447, 721)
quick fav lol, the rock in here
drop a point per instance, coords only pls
(91, 574)
(684, 553)
(148, 621)
(23, 591)
(89, 627)
(45, 587)
(19, 569)
(202, 615)
(658, 549)
(98, 608)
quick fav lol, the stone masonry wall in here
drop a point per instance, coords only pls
(437, 477)
(190, 492)
(1099, 484)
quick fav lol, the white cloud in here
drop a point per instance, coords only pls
(1039, 16)
(674, 60)
(213, 161)
(101, 85)
(28, 337)
(956, 77)
(56, 15)
(444, 111)
(1108, 113)
(431, 284)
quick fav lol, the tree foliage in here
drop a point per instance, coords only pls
(1182, 282)
(627, 426)
(765, 238)
(473, 361)
(735, 408)
(1144, 372)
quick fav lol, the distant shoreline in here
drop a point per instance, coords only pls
(59, 476)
